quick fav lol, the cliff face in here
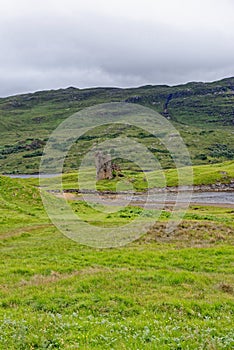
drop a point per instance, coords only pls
(193, 103)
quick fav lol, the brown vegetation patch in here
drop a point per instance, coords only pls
(56, 276)
(191, 233)
(22, 230)
(227, 288)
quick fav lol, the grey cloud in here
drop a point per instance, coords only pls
(92, 49)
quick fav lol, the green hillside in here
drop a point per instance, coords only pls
(202, 112)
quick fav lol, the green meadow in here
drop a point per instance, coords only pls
(219, 173)
(162, 291)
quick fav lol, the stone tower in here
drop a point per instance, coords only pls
(103, 166)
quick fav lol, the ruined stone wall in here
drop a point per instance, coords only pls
(103, 166)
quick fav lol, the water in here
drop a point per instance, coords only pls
(197, 197)
(220, 197)
(214, 197)
(34, 176)
(159, 199)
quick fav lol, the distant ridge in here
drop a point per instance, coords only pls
(225, 81)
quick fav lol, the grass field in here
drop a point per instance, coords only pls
(220, 173)
(159, 292)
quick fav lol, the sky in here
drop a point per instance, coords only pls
(51, 44)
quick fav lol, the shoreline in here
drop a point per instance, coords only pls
(174, 189)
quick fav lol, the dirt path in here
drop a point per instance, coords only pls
(21, 230)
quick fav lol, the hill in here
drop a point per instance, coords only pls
(202, 112)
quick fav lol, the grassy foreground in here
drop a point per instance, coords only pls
(159, 292)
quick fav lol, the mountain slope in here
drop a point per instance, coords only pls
(202, 112)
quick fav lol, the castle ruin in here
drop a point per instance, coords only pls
(103, 166)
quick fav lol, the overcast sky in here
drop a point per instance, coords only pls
(50, 44)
